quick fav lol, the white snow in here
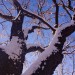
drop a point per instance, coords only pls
(48, 51)
(13, 48)
(34, 45)
(25, 31)
(59, 69)
(30, 58)
(67, 25)
(74, 73)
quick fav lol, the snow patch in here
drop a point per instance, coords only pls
(13, 48)
(25, 31)
(36, 45)
(48, 51)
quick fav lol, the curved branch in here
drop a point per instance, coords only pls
(17, 16)
(36, 27)
(52, 56)
(6, 8)
(19, 10)
(66, 9)
(35, 48)
(33, 15)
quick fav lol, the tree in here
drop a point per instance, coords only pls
(51, 56)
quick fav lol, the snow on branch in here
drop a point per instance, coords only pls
(35, 48)
(26, 13)
(48, 51)
(17, 15)
(26, 31)
(56, 13)
(56, 45)
(33, 15)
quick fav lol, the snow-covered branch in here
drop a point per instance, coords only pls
(35, 48)
(52, 56)
(31, 14)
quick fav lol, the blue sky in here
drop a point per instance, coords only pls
(33, 37)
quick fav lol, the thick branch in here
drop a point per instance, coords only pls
(32, 15)
(19, 9)
(16, 29)
(36, 27)
(66, 9)
(56, 13)
(6, 17)
(35, 48)
(17, 5)
(52, 56)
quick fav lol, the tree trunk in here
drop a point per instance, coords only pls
(12, 62)
(48, 65)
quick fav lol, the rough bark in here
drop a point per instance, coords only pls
(56, 58)
(10, 66)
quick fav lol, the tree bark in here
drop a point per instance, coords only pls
(53, 60)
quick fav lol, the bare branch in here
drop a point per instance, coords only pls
(17, 5)
(72, 52)
(6, 17)
(17, 16)
(66, 9)
(56, 13)
(36, 27)
(6, 8)
(25, 4)
(69, 5)
(68, 45)
(33, 15)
